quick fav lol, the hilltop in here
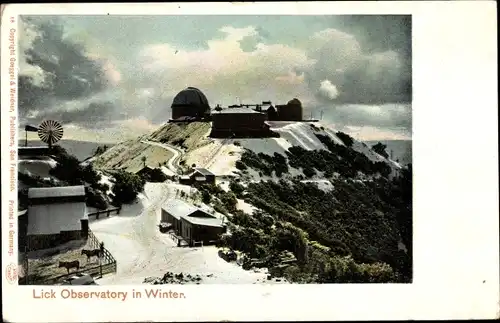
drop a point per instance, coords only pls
(336, 209)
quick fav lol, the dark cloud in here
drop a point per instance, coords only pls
(379, 34)
(64, 72)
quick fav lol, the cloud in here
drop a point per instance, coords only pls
(328, 90)
(361, 77)
(85, 84)
(53, 69)
(267, 73)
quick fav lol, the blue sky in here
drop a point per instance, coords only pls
(99, 72)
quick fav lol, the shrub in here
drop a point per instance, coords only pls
(96, 199)
(206, 197)
(309, 172)
(157, 176)
(380, 148)
(127, 186)
(346, 139)
(240, 165)
(236, 188)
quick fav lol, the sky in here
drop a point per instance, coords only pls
(108, 78)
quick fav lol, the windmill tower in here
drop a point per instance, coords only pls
(50, 132)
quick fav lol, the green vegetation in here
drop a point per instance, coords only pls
(126, 187)
(68, 171)
(338, 159)
(380, 148)
(346, 139)
(263, 163)
(222, 201)
(155, 176)
(348, 235)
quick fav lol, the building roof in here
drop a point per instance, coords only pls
(237, 111)
(180, 209)
(204, 171)
(191, 96)
(62, 191)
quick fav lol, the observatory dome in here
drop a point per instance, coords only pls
(190, 102)
(295, 101)
(292, 111)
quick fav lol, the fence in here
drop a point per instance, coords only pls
(107, 265)
(107, 212)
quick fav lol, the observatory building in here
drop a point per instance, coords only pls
(190, 104)
(239, 122)
(292, 111)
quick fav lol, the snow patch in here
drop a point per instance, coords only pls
(245, 207)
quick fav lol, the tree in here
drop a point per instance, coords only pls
(346, 139)
(379, 148)
(100, 150)
(206, 197)
(127, 186)
(143, 159)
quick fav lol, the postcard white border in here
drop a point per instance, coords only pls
(455, 149)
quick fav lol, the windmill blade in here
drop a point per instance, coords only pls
(31, 128)
(50, 131)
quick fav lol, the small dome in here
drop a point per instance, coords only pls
(294, 101)
(190, 96)
(190, 102)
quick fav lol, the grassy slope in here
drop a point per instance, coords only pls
(128, 156)
(188, 136)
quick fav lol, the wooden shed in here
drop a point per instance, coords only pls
(55, 216)
(191, 223)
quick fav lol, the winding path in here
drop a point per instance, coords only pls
(173, 162)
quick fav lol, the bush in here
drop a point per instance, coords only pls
(380, 148)
(309, 172)
(157, 176)
(96, 199)
(236, 188)
(240, 165)
(126, 187)
(206, 197)
(346, 139)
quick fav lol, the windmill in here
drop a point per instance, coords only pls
(50, 132)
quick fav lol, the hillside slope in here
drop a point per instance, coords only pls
(128, 156)
(220, 155)
(335, 209)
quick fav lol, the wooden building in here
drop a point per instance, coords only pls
(239, 123)
(192, 224)
(199, 176)
(55, 216)
(292, 111)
